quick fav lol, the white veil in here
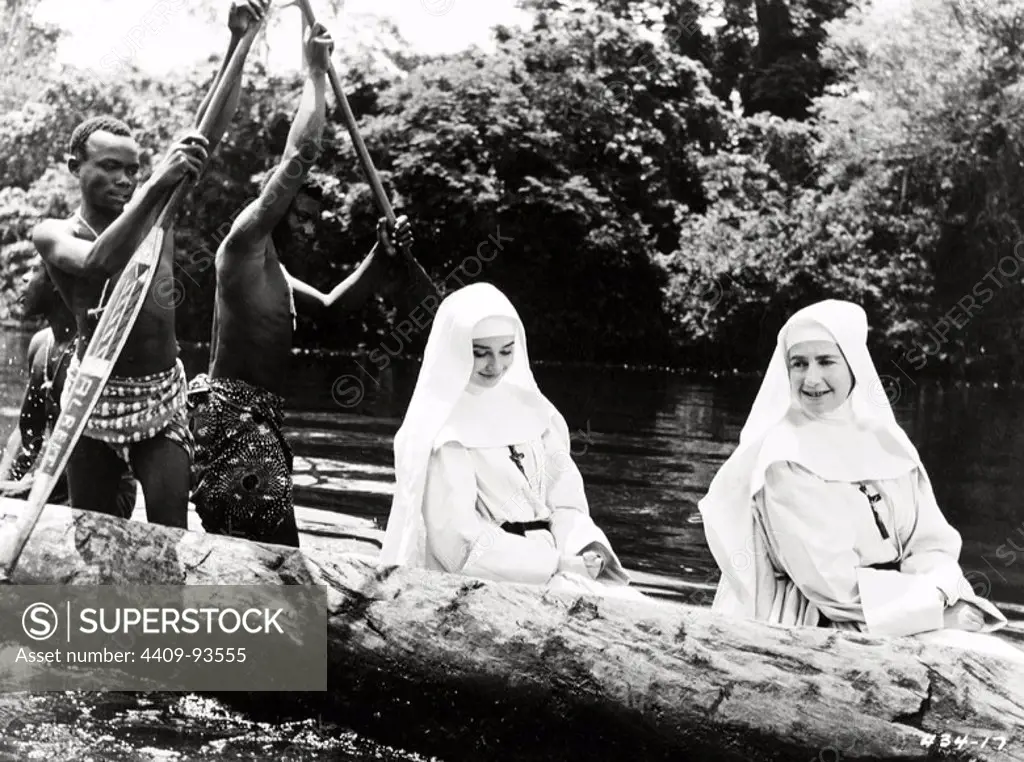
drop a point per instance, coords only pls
(860, 441)
(516, 409)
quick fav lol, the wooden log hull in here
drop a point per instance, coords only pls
(465, 669)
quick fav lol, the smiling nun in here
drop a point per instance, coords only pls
(824, 515)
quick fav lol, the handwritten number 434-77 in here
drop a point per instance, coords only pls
(947, 739)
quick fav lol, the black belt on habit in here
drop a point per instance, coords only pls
(887, 566)
(522, 527)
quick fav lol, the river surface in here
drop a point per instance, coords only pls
(647, 443)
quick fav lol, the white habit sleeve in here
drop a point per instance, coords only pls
(933, 553)
(571, 524)
(464, 541)
(933, 550)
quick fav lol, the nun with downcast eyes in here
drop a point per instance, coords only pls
(486, 485)
(824, 515)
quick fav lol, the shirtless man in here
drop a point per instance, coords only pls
(141, 418)
(243, 463)
(48, 355)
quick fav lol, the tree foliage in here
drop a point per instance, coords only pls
(933, 112)
(592, 166)
(769, 245)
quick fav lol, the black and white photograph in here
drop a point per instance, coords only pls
(512, 380)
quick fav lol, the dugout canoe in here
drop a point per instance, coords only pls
(471, 670)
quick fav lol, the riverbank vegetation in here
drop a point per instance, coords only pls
(651, 181)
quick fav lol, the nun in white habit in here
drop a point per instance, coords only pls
(824, 515)
(486, 485)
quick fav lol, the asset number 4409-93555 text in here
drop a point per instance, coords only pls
(207, 655)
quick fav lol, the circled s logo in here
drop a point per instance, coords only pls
(39, 621)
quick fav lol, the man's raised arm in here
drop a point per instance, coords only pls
(111, 251)
(243, 13)
(259, 218)
(352, 292)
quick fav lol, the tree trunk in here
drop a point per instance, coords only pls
(466, 669)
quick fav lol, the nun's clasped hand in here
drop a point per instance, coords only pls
(963, 616)
(587, 564)
(594, 562)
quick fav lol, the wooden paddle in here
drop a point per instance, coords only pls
(365, 161)
(111, 334)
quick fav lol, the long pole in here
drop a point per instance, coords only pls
(365, 161)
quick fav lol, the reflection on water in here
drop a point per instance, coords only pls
(648, 445)
(133, 727)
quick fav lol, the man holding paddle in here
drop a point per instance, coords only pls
(243, 464)
(140, 418)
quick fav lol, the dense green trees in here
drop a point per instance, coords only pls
(902, 192)
(650, 180)
(941, 133)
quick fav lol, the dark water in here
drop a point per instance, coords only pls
(647, 443)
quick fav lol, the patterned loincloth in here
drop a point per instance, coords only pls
(132, 409)
(242, 471)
